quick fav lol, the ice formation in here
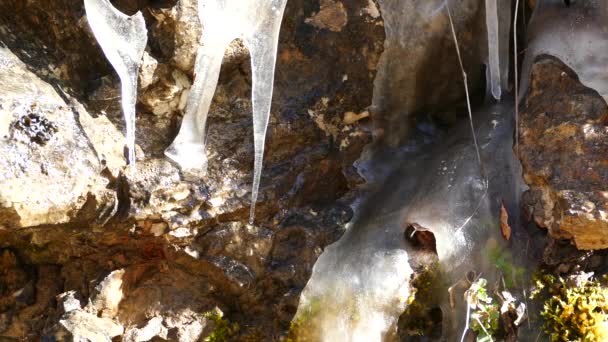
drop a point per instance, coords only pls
(363, 279)
(257, 23)
(498, 24)
(576, 34)
(493, 48)
(123, 39)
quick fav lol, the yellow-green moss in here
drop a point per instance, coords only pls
(223, 328)
(418, 318)
(577, 310)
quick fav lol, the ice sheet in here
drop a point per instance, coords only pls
(576, 34)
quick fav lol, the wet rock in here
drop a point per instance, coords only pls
(331, 16)
(419, 44)
(78, 212)
(563, 149)
(83, 325)
(45, 153)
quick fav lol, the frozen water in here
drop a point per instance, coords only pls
(123, 39)
(493, 48)
(257, 23)
(576, 34)
(498, 25)
(362, 280)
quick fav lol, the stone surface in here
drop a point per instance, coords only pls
(90, 247)
(73, 216)
(42, 160)
(564, 153)
(419, 70)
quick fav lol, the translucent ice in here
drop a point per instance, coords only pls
(362, 281)
(498, 24)
(257, 23)
(577, 34)
(493, 48)
(123, 39)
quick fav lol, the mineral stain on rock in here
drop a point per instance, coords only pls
(38, 128)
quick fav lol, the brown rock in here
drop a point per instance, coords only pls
(564, 153)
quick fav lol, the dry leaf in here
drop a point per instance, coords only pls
(504, 222)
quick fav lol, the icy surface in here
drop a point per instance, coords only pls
(493, 48)
(577, 35)
(123, 39)
(257, 23)
(363, 279)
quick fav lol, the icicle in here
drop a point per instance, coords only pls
(123, 39)
(493, 48)
(257, 23)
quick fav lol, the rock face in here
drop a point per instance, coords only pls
(564, 153)
(90, 248)
(73, 217)
(419, 70)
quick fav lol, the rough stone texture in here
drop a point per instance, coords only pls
(419, 70)
(72, 213)
(73, 217)
(564, 152)
(34, 173)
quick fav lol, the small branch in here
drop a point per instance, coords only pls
(466, 327)
(484, 329)
(516, 79)
(466, 88)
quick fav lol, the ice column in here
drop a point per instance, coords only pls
(257, 23)
(493, 48)
(123, 39)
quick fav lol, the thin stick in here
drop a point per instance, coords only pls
(484, 329)
(466, 327)
(466, 88)
(516, 80)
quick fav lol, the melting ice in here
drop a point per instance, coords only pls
(257, 23)
(123, 39)
(498, 23)
(363, 279)
(576, 34)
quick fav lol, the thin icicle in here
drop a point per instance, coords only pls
(123, 39)
(257, 23)
(466, 87)
(493, 48)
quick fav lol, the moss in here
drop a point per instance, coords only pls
(223, 328)
(502, 258)
(301, 329)
(422, 315)
(577, 309)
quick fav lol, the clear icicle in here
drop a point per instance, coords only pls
(123, 39)
(493, 48)
(257, 23)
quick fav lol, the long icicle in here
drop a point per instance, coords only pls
(466, 89)
(493, 35)
(257, 23)
(122, 39)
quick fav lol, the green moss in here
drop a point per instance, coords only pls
(420, 318)
(502, 258)
(223, 328)
(577, 310)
